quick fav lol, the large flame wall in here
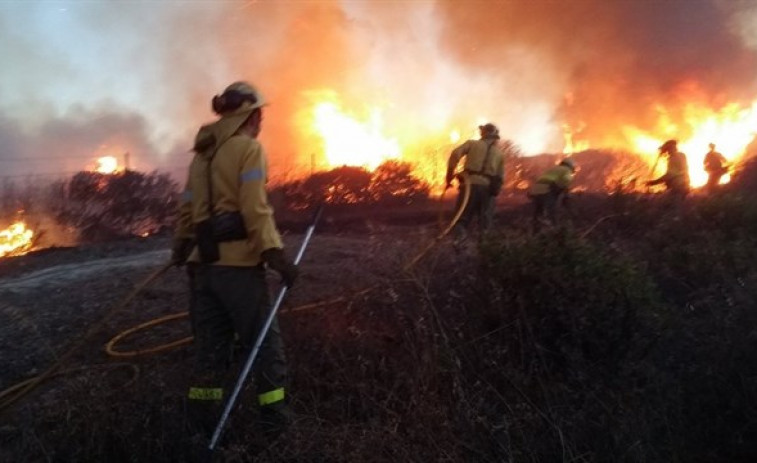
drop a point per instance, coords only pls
(400, 76)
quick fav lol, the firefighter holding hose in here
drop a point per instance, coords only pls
(484, 168)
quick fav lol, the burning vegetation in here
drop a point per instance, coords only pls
(16, 240)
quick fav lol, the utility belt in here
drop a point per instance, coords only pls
(495, 181)
(227, 226)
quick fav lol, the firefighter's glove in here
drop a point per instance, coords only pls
(276, 260)
(180, 251)
(449, 178)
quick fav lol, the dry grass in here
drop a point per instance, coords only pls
(633, 342)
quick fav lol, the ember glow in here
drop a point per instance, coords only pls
(16, 240)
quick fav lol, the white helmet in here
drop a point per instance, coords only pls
(237, 95)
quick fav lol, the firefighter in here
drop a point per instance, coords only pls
(676, 177)
(484, 168)
(226, 217)
(716, 165)
(551, 189)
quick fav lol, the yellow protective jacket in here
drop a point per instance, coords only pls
(238, 178)
(560, 176)
(676, 176)
(474, 152)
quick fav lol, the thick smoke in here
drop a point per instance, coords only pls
(144, 72)
(616, 62)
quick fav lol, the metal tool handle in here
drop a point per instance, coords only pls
(263, 332)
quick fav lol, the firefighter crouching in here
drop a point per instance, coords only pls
(550, 190)
(225, 212)
(484, 168)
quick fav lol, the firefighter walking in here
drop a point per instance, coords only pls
(227, 234)
(550, 190)
(484, 168)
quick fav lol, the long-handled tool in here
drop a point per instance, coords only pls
(263, 332)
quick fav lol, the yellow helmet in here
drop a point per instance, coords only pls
(570, 163)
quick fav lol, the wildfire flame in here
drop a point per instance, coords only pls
(107, 165)
(349, 141)
(16, 240)
(730, 128)
(572, 144)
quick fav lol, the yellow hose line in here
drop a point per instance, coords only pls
(410, 263)
(93, 328)
(152, 350)
(110, 349)
(22, 384)
(443, 233)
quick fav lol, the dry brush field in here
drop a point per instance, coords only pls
(627, 335)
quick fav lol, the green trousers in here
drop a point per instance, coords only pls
(228, 304)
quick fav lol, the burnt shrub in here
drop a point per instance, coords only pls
(393, 183)
(106, 206)
(343, 185)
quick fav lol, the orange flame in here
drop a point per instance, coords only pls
(345, 137)
(16, 240)
(730, 128)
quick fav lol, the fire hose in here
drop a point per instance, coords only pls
(10, 395)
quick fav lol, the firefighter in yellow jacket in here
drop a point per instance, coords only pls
(551, 189)
(227, 234)
(676, 177)
(484, 168)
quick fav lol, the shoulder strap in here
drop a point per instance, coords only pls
(210, 182)
(486, 160)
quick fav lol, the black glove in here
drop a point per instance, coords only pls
(180, 251)
(276, 260)
(450, 176)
